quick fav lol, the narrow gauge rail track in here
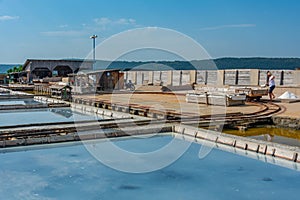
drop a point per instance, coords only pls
(264, 114)
(66, 127)
(120, 127)
(80, 127)
(266, 109)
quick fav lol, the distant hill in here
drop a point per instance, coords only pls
(220, 63)
(258, 63)
(5, 67)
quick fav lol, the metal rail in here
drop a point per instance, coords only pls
(39, 133)
(264, 114)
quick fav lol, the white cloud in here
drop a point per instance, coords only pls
(63, 26)
(228, 26)
(104, 21)
(124, 21)
(7, 17)
(63, 33)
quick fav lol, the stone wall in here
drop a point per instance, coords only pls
(286, 122)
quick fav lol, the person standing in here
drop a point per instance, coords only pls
(271, 83)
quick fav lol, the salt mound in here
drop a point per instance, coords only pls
(288, 95)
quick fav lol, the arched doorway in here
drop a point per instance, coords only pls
(62, 70)
(76, 71)
(41, 72)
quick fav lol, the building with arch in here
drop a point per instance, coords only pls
(39, 69)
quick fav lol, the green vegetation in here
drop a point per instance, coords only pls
(258, 63)
(15, 69)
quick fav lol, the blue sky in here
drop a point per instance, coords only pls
(61, 28)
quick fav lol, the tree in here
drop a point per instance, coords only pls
(15, 69)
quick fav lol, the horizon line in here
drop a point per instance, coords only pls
(217, 58)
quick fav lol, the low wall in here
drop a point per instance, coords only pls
(282, 153)
(260, 148)
(213, 77)
(286, 122)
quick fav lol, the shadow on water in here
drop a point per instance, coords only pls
(62, 112)
(129, 187)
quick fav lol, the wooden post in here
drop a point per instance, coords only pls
(180, 78)
(258, 77)
(281, 77)
(206, 77)
(224, 76)
(236, 77)
(206, 98)
(267, 79)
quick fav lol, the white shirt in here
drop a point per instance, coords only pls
(271, 81)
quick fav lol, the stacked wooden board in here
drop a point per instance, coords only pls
(212, 98)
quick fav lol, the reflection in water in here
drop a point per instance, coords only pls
(4, 102)
(31, 102)
(65, 113)
(269, 137)
(270, 134)
(45, 115)
(54, 174)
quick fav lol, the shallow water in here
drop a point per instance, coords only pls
(19, 102)
(72, 173)
(278, 135)
(47, 115)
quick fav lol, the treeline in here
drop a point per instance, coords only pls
(258, 63)
(220, 63)
(8, 68)
(15, 69)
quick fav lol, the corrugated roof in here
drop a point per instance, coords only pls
(54, 60)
